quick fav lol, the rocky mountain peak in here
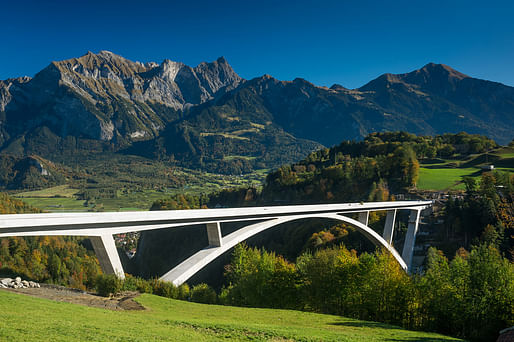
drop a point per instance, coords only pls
(338, 87)
(107, 54)
(300, 80)
(169, 69)
(19, 80)
(431, 75)
(262, 81)
(441, 69)
(217, 75)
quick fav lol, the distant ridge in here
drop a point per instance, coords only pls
(200, 115)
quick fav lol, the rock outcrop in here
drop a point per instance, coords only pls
(17, 283)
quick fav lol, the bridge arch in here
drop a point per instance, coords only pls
(189, 267)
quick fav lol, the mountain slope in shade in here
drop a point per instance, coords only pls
(433, 100)
(237, 125)
(445, 100)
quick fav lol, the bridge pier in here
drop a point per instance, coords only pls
(410, 238)
(107, 255)
(214, 234)
(389, 226)
(364, 217)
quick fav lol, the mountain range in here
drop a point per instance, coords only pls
(209, 117)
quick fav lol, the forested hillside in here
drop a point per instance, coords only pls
(9, 205)
(53, 259)
(28, 173)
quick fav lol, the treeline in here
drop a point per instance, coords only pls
(486, 212)
(368, 170)
(108, 285)
(182, 201)
(470, 297)
(444, 146)
(348, 179)
(56, 259)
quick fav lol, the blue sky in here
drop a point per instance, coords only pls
(325, 42)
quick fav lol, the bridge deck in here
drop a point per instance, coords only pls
(97, 224)
(101, 226)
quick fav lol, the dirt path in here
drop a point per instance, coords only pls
(124, 301)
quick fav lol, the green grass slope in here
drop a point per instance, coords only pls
(448, 174)
(443, 178)
(28, 318)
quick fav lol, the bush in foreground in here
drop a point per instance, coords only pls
(108, 285)
(202, 293)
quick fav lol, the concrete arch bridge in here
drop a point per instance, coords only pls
(100, 227)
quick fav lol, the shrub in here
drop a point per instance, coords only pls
(164, 289)
(184, 292)
(108, 284)
(202, 293)
(137, 284)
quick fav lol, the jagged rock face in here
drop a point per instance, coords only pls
(5, 96)
(107, 97)
(179, 85)
(6, 87)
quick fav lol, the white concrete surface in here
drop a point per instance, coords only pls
(182, 272)
(410, 238)
(104, 225)
(389, 226)
(107, 255)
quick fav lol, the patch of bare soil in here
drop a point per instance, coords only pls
(124, 301)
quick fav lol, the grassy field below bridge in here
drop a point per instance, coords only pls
(27, 318)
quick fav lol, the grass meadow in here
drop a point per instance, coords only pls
(27, 318)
